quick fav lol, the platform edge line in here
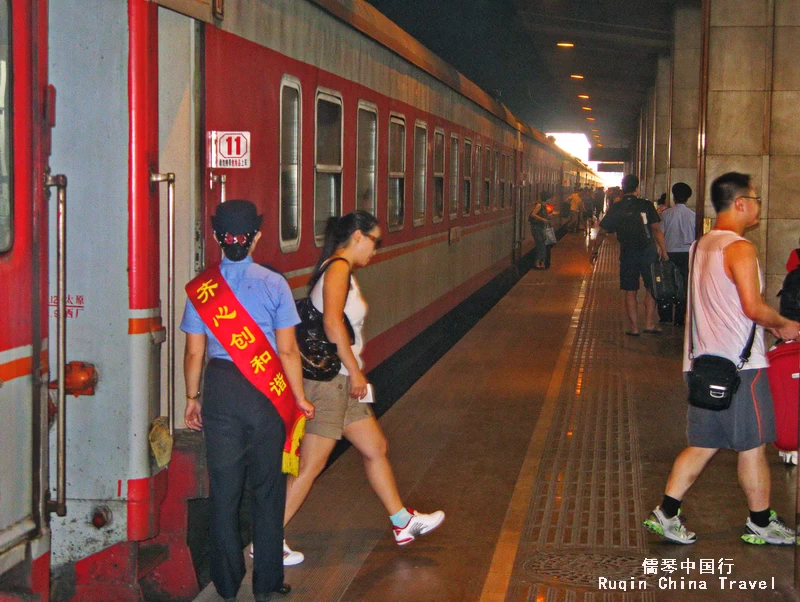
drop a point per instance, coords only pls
(496, 585)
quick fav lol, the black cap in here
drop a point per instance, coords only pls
(236, 217)
(681, 190)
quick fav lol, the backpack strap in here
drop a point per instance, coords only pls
(744, 356)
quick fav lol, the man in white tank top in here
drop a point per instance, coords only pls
(726, 299)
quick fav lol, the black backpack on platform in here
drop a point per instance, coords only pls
(790, 296)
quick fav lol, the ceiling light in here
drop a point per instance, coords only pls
(565, 45)
(576, 76)
(587, 108)
(590, 119)
(598, 144)
(595, 130)
(583, 96)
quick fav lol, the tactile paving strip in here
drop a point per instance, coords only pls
(581, 524)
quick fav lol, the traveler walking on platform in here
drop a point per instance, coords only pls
(726, 305)
(598, 201)
(539, 223)
(246, 413)
(678, 224)
(350, 243)
(641, 242)
(575, 202)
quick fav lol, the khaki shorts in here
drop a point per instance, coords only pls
(334, 408)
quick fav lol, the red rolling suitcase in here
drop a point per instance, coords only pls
(784, 384)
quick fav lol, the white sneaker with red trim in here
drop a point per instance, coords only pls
(290, 557)
(418, 524)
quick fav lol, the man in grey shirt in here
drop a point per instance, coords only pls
(678, 224)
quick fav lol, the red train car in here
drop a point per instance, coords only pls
(309, 108)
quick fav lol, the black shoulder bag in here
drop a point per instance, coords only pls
(317, 353)
(713, 380)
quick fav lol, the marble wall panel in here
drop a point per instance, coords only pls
(786, 74)
(727, 13)
(660, 186)
(735, 123)
(687, 68)
(688, 26)
(785, 128)
(737, 58)
(684, 148)
(783, 236)
(784, 187)
(662, 158)
(662, 127)
(663, 71)
(685, 108)
(787, 12)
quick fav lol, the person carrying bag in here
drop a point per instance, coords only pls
(713, 379)
(318, 355)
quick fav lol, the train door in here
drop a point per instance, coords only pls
(24, 538)
(180, 48)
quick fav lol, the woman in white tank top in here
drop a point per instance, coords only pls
(350, 243)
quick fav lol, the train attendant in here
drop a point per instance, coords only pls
(253, 406)
(334, 291)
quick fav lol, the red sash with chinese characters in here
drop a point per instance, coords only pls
(251, 351)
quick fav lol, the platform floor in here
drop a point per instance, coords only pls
(546, 435)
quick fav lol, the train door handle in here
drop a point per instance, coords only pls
(220, 179)
(169, 178)
(60, 182)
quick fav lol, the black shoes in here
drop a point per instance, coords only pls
(276, 595)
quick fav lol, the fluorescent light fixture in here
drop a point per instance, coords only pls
(565, 45)
(587, 108)
(583, 96)
(590, 119)
(576, 76)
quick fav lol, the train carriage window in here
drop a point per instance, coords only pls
(502, 177)
(467, 175)
(420, 172)
(438, 175)
(478, 177)
(495, 173)
(453, 176)
(6, 229)
(328, 186)
(395, 206)
(290, 192)
(367, 157)
(487, 178)
(511, 178)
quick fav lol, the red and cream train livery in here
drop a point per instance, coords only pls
(123, 123)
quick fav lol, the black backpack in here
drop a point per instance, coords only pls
(630, 228)
(790, 296)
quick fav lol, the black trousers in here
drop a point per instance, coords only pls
(244, 437)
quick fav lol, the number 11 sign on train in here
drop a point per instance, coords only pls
(229, 149)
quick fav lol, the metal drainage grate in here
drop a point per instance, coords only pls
(581, 569)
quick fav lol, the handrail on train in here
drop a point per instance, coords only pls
(60, 504)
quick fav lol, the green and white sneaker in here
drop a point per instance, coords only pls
(671, 529)
(776, 532)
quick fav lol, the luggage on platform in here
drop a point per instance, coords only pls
(667, 282)
(784, 384)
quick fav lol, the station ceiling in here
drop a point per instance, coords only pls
(509, 48)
